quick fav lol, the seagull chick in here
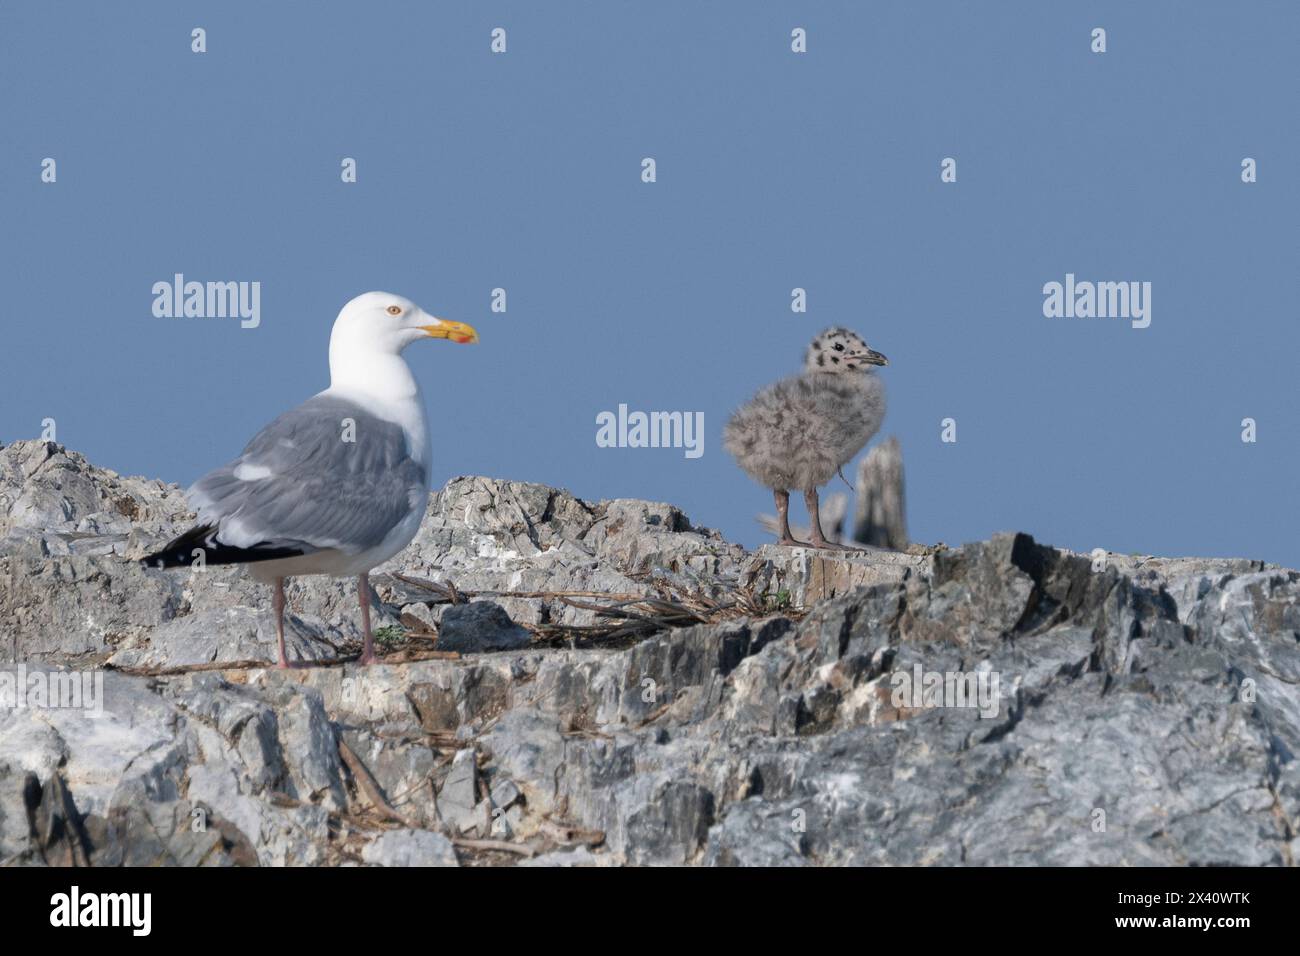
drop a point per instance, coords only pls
(337, 485)
(798, 432)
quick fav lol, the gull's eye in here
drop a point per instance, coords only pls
(838, 347)
(394, 310)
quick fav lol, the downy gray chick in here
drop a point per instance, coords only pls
(798, 432)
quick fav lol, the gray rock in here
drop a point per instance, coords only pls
(1125, 711)
(410, 848)
(579, 856)
(505, 793)
(458, 802)
(479, 626)
(802, 577)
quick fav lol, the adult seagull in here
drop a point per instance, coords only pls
(337, 485)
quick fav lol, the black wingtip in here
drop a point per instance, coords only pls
(180, 552)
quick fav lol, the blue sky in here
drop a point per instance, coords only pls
(775, 171)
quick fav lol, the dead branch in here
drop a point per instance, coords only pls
(370, 787)
(520, 849)
(244, 665)
(569, 835)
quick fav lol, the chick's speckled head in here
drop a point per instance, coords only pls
(839, 351)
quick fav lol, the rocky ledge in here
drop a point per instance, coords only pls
(577, 683)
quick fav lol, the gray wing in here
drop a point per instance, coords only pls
(299, 483)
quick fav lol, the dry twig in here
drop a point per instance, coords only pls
(370, 787)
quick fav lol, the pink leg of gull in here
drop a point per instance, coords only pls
(368, 642)
(277, 603)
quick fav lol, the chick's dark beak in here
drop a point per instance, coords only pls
(872, 357)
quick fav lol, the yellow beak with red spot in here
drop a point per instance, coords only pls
(457, 332)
